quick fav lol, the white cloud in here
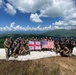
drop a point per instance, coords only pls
(47, 8)
(71, 16)
(69, 24)
(14, 27)
(58, 8)
(59, 23)
(10, 9)
(29, 5)
(35, 18)
(12, 24)
(1, 3)
(65, 23)
(50, 8)
(72, 22)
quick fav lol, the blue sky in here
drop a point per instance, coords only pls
(37, 14)
(23, 19)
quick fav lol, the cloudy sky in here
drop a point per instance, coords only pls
(37, 14)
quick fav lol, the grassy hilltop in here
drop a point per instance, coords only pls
(46, 66)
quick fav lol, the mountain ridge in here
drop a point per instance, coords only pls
(61, 32)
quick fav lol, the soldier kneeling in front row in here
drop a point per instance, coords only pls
(64, 51)
(24, 50)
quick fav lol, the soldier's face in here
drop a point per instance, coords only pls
(6, 39)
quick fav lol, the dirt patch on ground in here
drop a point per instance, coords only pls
(46, 66)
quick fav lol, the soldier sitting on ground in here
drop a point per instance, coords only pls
(21, 52)
(24, 49)
(64, 51)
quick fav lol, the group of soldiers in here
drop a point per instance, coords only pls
(15, 48)
(20, 46)
(64, 46)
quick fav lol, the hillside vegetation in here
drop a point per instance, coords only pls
(61, 32)
(54, 33)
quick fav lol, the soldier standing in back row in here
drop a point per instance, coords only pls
(11, 44)
(7, 46)
(57, 46)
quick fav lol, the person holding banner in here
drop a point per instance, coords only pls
(34, 45)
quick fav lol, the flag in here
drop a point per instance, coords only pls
(51, 44)
(44, 44)
(48, 44)
(34, 45)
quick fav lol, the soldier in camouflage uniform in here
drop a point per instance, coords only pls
(71, 46)
(64, 51)
(7, 47)
(21, 51)
(64, 48)
(57, 46)
(11, 44)
(26, 49)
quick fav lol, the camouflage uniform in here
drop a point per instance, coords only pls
(72, 44)
(64, 51)
(57, 46)
(26, 49)
(7, 46)
(21, 51)
(11, 44)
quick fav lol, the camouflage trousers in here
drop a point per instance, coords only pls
(7, 53)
